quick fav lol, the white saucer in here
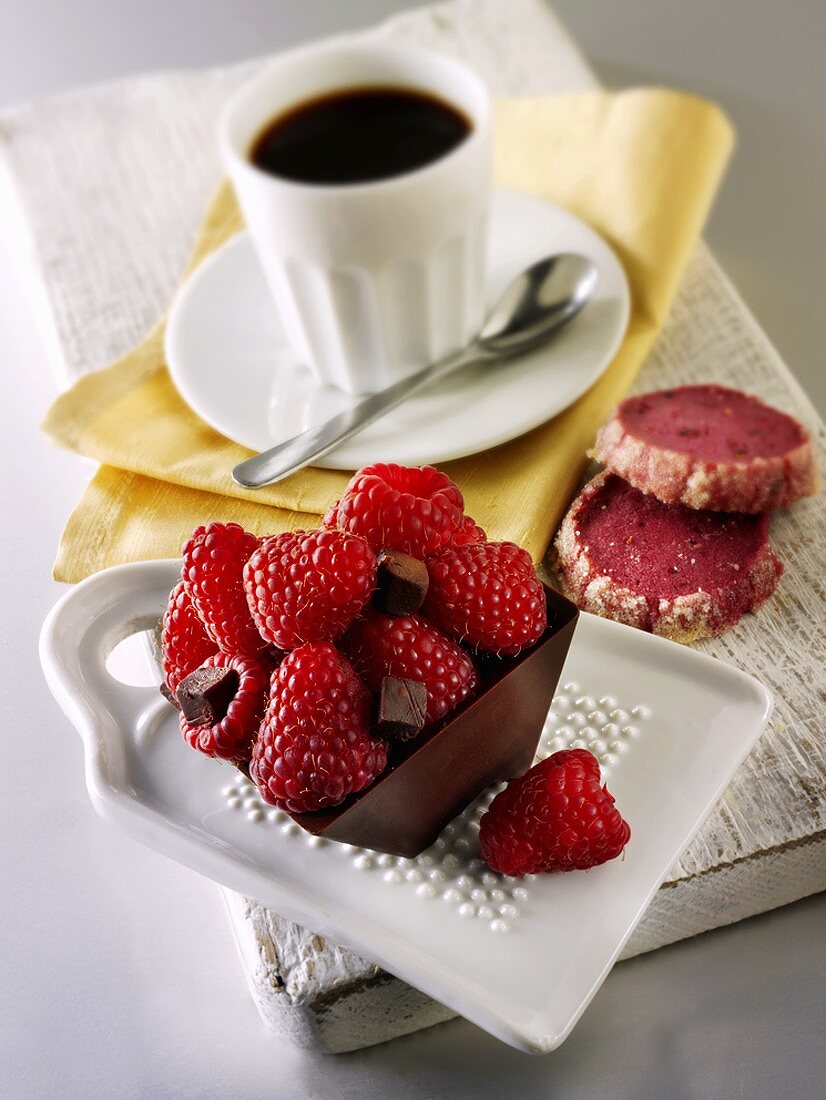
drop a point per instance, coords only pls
(228, 359)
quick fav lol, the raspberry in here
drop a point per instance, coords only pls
(232, 737)
(331, 516)
(412, 508)
(315, 747)
(185, 643)
(308, 586)
(556, 817)
(469, 533)
(487, 595)
(214, 560)
(410, 648)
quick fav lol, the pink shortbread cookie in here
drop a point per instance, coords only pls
(672, 570)
(709, 447)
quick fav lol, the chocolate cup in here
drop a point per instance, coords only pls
(491, 737)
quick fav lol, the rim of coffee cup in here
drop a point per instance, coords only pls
(256, 104)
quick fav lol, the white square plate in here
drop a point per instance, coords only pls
(521, 958)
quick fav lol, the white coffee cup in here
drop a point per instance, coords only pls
(371, 280)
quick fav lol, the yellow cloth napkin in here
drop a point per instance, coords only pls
(641, 167)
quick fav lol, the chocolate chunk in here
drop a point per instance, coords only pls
(401, 583)
(402, 708)
(169, 695)
(205, 695)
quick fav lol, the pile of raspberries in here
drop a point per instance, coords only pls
(276, 649)
(302, 657)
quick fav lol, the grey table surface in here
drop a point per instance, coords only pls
(119, 975)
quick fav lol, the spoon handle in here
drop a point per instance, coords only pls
(279, 462)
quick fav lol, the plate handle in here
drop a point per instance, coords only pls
(80, 633)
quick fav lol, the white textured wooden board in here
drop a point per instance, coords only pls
(111, 224)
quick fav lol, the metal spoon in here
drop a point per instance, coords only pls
(537, 304)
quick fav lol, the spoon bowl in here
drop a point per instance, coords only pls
(538, 303)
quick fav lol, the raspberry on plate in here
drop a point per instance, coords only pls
(214, 559)
(231, 737)
(666, 568)
(709, 447)
(487, 595)
(408, 647)
(308, 586)
(413, 508)
(315, 747)
(185, 643)
(555, 817)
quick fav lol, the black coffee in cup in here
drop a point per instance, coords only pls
(358, 135)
